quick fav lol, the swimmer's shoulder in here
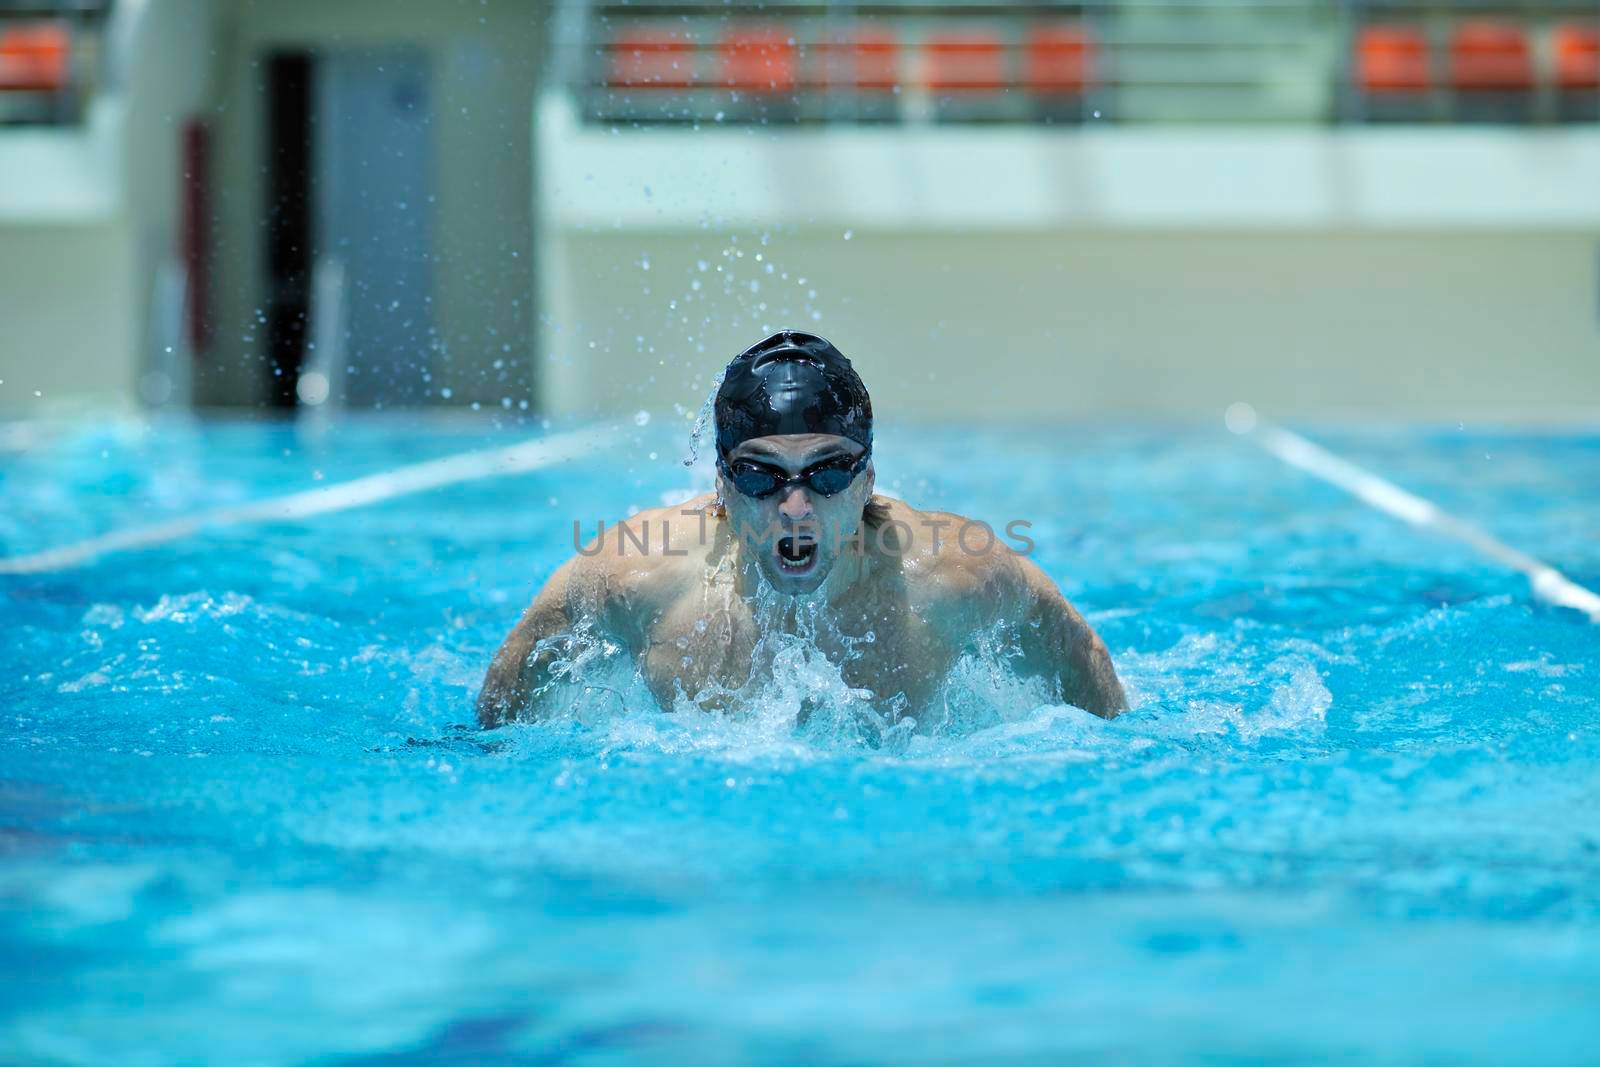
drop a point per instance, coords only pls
(647, 556)
(951, 560)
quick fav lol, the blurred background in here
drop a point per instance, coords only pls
(996, 209)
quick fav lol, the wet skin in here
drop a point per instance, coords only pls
(686, 591)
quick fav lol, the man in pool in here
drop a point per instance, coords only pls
(795, 529)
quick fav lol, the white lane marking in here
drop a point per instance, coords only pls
(359, 492)
(1548, 584)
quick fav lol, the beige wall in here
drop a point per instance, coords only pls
(1082, 322)
(69, 313)
(484, 59)
(75, 293)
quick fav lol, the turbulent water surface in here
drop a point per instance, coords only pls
(1355, 814)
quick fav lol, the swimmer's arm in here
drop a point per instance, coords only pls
(1057, 641)
(573, 592)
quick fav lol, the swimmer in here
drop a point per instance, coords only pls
(795, 528)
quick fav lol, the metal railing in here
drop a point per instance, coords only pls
(52, 59)
(1135, 61)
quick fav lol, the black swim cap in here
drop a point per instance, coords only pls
(791, 383)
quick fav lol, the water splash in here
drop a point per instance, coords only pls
(799, 698)
(703, 419)
(797, 684)
(798, 691)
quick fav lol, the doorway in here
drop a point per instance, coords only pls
(350, 233)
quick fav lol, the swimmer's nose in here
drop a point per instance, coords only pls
(796, 505)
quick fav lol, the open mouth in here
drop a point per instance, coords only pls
(796, 555)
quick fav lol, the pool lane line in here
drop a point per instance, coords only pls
(358, 492)
(1549, 585)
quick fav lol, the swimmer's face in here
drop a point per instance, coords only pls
(796, 533)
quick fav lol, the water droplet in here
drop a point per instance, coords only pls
(641, 418)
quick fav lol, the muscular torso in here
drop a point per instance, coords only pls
(707, 641)
(702, 628)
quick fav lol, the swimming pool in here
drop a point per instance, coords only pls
(1355, 814)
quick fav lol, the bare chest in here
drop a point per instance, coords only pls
(714, 652)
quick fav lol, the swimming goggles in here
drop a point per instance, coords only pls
(825, 479)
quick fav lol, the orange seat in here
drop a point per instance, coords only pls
(648, 58)
(1488, 55)
(760, 61)
(1392, 59)
(1576, 49)
(967, 61)
(866, 60)
(34, 57)
(1058, 59)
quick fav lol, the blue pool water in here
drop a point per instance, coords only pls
(1354, 816)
